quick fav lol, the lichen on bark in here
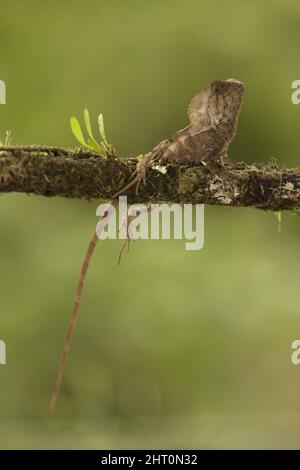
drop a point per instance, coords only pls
(54, 171)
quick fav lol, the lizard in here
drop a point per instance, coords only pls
(213, 115)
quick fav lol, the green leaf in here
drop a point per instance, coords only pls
(76, 129)
(101, 129)
(92, 142)
(94, 146)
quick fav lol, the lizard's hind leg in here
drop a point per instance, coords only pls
(127, 219)
(126, 224)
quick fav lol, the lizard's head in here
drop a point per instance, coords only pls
(226, 87)
(225, 99)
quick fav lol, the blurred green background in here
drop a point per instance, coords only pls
(173, 349)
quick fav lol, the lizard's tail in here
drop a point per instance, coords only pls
(74, 315)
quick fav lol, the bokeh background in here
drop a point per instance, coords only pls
(173, 349)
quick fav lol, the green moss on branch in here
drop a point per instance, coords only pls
(53, 171)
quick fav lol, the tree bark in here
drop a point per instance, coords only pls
(54, 171)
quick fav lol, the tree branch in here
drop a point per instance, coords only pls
(53, 171)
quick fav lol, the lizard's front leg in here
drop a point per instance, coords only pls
(139, 175)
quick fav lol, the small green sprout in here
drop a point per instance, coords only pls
(278, 216)
(102, 147)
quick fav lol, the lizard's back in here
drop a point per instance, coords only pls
(213, 115)
(190, 145)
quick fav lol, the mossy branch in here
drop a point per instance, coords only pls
(54, 171)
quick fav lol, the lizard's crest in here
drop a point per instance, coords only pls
(209, 105)
(224, 102)
(197, 110)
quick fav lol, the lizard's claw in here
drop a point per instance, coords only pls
(139, 179)
(127, 219)
(140, 173)
(128, 237)
(134, 181)
(139, 176)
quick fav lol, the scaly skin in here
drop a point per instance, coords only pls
(213, 115)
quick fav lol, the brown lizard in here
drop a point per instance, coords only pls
(213, 115)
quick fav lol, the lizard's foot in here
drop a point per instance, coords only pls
(226, 178)
(128, 235)
(137, 179)
(139, 176)
(127, 219)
